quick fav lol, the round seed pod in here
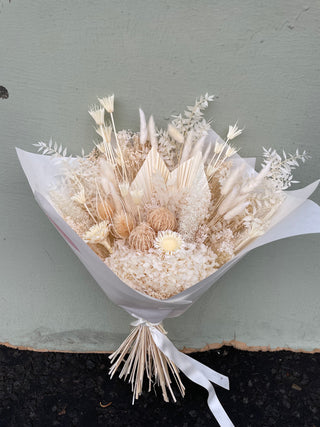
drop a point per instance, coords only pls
(123, 224)
(162, 219)
(142, 237)
(105, 209)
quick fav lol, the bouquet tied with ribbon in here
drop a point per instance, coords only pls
(157, 217)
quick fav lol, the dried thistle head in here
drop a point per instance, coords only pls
(162, 219)
(142, 237)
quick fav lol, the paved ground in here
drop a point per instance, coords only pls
(60, 389)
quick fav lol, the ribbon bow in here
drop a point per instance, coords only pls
(194, 370)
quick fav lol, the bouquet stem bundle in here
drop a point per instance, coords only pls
(144, 357)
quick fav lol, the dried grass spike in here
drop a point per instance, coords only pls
(123, 224)
(142, 237)
(162, 219)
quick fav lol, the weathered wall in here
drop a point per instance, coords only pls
(260, 58)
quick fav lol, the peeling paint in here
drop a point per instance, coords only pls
(4, 94)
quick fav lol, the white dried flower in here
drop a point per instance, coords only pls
(234, 131)
(108, 103)
(231, 151)
(218, 147)
(97, 113)
(168, 242)
(97, 233)
(105, 133)
(80, 197)
(158, 276)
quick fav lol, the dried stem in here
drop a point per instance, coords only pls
(144, 357)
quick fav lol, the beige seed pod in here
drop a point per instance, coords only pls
(123, 224)
(105, 209)
(162, 219)
(142, 237)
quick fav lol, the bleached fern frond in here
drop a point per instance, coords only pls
(193, 117)
(281, 167)
(51, 148)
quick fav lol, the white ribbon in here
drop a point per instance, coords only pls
(143, 322)
(194, 370)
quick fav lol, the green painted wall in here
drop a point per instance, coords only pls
(262, 59)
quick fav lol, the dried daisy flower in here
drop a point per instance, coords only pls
(168, 242)
(98, 233)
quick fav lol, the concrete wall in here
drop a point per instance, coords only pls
(262, 60)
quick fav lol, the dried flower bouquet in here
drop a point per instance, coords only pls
(168, 212)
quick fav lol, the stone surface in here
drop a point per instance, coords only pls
(260, 58)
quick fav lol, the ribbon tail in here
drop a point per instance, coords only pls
(196, 372)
